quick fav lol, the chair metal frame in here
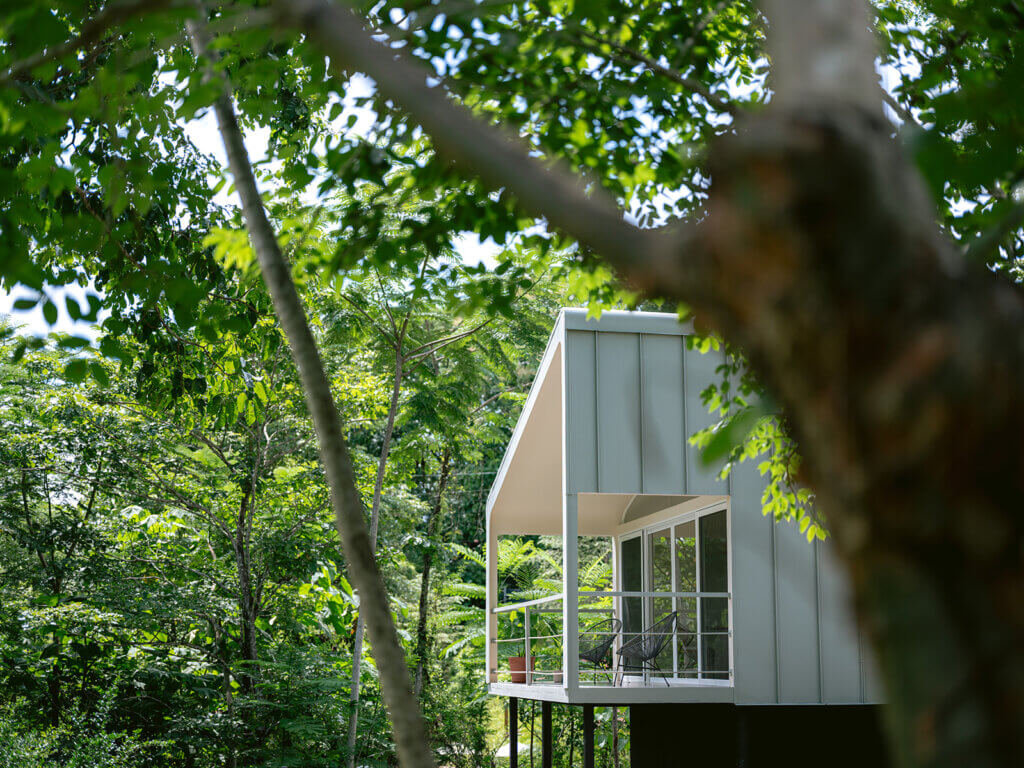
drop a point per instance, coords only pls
(599, 649)
(648, 645)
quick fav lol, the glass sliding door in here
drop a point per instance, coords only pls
(659, 576)
(714, 611)
(686, 581)
(631, 565)
(682, 556)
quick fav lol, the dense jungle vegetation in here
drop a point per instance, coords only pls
(172, 591)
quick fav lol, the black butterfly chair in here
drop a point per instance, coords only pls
(648, 645)
(596, 640)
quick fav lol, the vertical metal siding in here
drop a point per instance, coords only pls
(700, 373)
(753, 590)
(840, 651)
(663, 430)
(581, 416)
(618, 408)
(797, 616)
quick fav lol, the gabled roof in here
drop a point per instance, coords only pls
(526, 496)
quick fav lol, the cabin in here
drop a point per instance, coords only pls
(718, 618)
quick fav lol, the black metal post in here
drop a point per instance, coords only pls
(547, 743)
(513, 732)
(588, 736)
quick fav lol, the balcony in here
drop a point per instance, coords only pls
(693, 663)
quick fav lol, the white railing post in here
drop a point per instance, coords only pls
(570, 593)
(526, 644)
(491, 604)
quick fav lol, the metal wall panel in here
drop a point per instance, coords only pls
(663, 429)
(699, 372)
(753, 590)
(618, 408)
(633, 400)
(839, 646)
(796, 607)
(581, 405)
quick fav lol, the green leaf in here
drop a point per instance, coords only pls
(75, 370)
(50, 312)
(99, 373)
(73, 342)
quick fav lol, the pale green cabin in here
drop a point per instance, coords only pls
(602, 449)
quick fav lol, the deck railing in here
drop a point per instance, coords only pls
(698, 650)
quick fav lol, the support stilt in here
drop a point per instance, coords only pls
(547, 742)
(513, 732)
(588, 736)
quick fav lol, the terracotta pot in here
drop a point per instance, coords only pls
(517, 664)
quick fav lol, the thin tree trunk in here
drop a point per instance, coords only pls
(615, 737)
(246, 601)
(407, 721)
(378, 489)
(533, 715)
(428, 559)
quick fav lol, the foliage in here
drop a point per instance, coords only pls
(168, 542)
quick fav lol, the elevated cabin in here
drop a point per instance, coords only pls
(602, 450)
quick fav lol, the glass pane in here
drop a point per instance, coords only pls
(686, 581)
(631, 564)
(660, 544)
(714, 577)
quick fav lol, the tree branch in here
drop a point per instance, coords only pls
(623, 54)
(432, 346)
(382, 331)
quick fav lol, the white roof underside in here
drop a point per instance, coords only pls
(527, 494)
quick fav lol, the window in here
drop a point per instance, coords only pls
(686, 555)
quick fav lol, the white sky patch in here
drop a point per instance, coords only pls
(30, 322)
(474, 251)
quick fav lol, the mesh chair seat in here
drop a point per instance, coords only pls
(648, 645)
(597, 639)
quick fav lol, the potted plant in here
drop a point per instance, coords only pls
(517, 666)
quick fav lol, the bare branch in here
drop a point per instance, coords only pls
(902, 112)
(384, 301)
(624, 54)
(432, 346)
(198, 435)
(382, 331)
